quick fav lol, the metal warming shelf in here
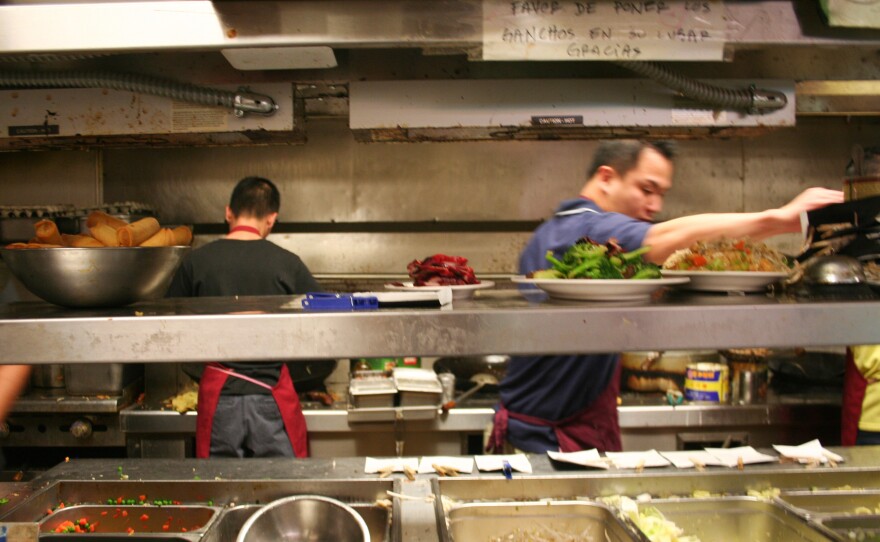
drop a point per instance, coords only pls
(210, 329)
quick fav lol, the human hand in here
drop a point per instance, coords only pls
(809, 199)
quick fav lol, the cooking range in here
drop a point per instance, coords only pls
(70, 410)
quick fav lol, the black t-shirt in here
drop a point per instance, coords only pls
(229, 267)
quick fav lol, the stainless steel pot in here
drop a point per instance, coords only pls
(304, 518)
(48, 376)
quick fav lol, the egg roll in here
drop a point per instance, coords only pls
(132, 235)
(80, 241)
(104, 234)
(183, 236)
(47, 233)
(162, 238)
(100, 217)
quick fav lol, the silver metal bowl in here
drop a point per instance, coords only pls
(305, 518)
(95, 277)
(836, 269)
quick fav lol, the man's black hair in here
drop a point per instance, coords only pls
(623, 154)
(255, 196)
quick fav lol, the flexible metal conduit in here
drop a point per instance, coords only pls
(750, 99)
(240, 102)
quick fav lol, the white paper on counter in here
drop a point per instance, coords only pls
(518, 462)
(634, 460)
(461, 464)
(730, 457)
(586, 458)
(690, 458)
(808, 452)
(396, 464)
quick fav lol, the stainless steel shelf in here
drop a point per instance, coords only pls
(497, 321)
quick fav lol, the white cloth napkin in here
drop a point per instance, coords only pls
(373, 465)
(634, 460)
(518, 462)
(587, 458)
(808, 452)
(461, 464)
(730, 457)
(689, 459)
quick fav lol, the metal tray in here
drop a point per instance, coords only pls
(118, 519)
(359, 494)
(391, 414)
(736, 519)
(521, 521)
(831, 503)
(860, 528)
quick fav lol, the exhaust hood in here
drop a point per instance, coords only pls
(61, 118)
(548, 109)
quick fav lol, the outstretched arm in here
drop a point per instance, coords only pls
(667, 237)
(12, 381)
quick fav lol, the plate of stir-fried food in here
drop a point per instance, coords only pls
(728, 265)
(590, 271)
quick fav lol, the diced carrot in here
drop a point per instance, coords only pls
(118, 500)
(166, 527)
(130, 530)
(103, 512)
(144, 517)
(698, 260)
(142, 497)
(125, 513)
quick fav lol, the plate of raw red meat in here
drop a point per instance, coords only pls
(442, 271)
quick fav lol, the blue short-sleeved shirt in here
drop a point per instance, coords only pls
(556, 387)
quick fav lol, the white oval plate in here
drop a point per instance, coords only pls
(600, 289)
(727, 281)
(459, 291)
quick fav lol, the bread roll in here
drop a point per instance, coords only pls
(100, 217)
(47, 233)
(80, 241)
(183, 236)
(104, 234)
(132, 235)
(163, 238)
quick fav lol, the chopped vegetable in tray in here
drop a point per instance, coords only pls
(728, 255)
(588, 259)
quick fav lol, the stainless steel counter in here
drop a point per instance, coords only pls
(227, 482)
(645, 423)
(208, 329)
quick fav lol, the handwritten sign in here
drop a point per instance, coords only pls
(603, 30)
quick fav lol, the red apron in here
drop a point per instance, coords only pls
(596, 426)
(283, 392)
(854, 386)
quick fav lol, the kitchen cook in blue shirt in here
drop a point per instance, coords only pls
(569, 403)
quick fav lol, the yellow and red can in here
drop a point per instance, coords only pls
(707, 382)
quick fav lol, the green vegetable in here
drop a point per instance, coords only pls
(587, 259)
(3, 501)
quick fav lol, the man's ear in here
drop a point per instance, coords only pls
(229, 216)
(270, 220)
(605, 175)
